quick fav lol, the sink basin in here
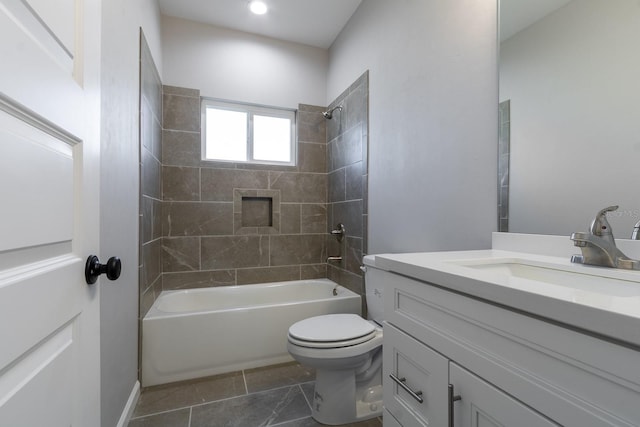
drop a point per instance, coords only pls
(525, 274)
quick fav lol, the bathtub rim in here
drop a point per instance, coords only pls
(155, 313)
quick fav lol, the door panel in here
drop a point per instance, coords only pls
(38, 199)
(51, 28)
(482, 405)
(43, 366)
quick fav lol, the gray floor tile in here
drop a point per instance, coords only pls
(275, 376)
(304, 422)
(310, 422)
(187, 393)
(179, 418)
(308, 389)
(253, 410)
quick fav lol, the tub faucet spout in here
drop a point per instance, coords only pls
(599, 247)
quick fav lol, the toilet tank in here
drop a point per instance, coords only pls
(374, 287)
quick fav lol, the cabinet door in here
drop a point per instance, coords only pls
(423, 371)
(388, 420)
(482, 405)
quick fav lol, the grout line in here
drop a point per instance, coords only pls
(179, 130)
(236, 397)
(305, 396)
(290, 421)
(190, 414)
(244, 378)
(160, 412)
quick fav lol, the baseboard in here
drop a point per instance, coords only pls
(127, 412)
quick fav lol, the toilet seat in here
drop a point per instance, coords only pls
(332, 344)
(331, 331)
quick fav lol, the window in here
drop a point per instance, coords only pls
(234, 132)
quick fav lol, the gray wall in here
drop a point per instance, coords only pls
(433, 119)
(257, 69)
(119, 195)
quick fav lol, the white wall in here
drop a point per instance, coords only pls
(433, 119)
(573, 81)
(238, 66)
(121, 24)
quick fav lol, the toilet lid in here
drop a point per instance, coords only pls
(332, 328)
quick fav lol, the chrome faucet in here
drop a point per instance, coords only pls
(636, 231)
(599, 247)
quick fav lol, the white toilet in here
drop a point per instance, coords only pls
(346, 352)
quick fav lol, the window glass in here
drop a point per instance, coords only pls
(271, 138)
(226, 135)
(235, 132)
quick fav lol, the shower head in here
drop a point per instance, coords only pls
(329, 113)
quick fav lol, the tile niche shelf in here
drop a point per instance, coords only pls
(256, 211)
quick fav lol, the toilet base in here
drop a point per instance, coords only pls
(339, 399)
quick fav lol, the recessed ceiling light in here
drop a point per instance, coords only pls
(258, 7)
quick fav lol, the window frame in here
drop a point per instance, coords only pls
(250, 110)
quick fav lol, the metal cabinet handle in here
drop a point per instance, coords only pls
(452, 398)
(401, 382)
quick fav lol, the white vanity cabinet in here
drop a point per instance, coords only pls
(429, 374)
(510, 369)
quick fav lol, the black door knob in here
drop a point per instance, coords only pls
(93, 269)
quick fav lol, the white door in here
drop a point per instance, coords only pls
(482, 405)
(49, 222)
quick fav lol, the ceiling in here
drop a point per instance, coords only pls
(310, 22)
(516, 15)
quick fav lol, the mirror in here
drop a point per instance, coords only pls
(570, 132)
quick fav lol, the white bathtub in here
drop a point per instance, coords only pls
(199, 332)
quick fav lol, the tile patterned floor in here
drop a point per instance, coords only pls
(276, 395)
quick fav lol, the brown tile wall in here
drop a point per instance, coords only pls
(347, 167)
(150, 269)
(203, 241)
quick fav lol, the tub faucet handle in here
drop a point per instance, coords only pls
(339, 231)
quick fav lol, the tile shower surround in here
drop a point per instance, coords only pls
(503, 165)
(202, 242)
(347, 167)
(150, 268)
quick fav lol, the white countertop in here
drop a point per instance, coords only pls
(580, 299)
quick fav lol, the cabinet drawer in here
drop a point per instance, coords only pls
(424, 372)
